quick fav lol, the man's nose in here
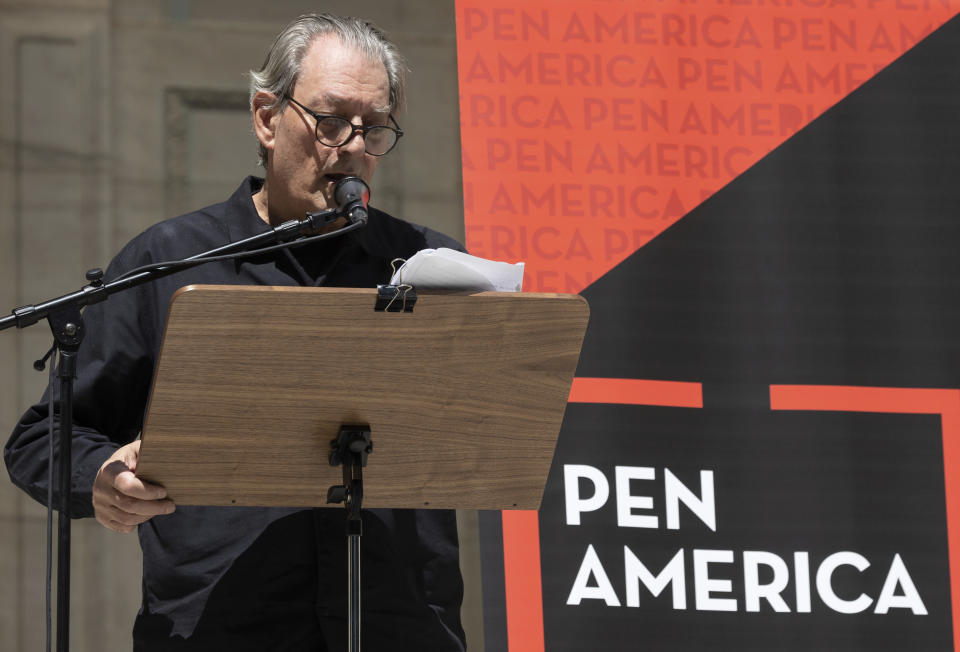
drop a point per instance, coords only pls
(355, 144)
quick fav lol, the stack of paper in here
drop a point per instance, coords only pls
(446, 269)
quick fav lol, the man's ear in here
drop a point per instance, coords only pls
(265, 118)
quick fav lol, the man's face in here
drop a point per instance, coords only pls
(302, 172)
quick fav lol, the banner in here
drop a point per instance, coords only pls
(758, 201)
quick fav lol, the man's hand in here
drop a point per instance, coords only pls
(121, 501)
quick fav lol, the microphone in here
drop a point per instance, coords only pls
(352, 194)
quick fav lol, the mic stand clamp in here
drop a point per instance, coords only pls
(350, 450)
(319, 219)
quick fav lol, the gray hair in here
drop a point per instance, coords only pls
(279, 72)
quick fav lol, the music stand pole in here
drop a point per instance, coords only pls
(350, 450)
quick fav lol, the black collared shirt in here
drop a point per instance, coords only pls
(248, 578)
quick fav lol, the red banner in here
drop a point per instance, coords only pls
(590, 127)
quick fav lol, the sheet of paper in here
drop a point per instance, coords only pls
(447, 269)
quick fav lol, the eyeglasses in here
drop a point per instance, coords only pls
(337, 131)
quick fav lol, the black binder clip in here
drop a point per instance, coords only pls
(395, 298)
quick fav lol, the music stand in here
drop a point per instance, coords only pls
(463, 395)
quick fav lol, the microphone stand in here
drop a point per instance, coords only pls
(66, 323)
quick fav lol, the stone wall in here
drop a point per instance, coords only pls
(115, 115)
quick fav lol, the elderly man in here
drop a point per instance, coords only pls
(261, 578)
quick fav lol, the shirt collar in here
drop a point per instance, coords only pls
(247, 221)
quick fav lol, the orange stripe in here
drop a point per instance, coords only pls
(950, 418)
(860, 399)
(521, 567)
(631, 391)
(945, 402)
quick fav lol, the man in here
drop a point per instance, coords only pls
(260, 578)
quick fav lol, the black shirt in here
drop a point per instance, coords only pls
(236, 578)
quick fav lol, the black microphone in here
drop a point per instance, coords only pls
(352, 194)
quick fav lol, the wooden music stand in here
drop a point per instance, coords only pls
(464, 397)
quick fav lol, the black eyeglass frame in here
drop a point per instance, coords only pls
(363, 129)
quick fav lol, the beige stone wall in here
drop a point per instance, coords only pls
(116, 114)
